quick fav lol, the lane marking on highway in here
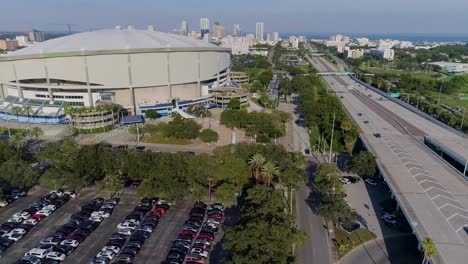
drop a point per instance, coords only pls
(437, 189)
(439, 195)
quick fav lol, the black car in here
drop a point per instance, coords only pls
(67, 250)
(130, 251)
(116, 242)
(6, 242)
(125, 257)
(89, 225)
(138, 238)
(82, 232)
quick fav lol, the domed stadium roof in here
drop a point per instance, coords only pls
(112, 39)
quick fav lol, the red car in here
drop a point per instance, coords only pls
(155, 213)
(38, 217)
(206, 236)
(216, 216)
(188, 232)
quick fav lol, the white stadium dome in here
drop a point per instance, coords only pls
(136, 69)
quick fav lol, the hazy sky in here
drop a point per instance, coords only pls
(355, 16)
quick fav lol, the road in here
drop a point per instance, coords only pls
(316, 248)
(432, 196)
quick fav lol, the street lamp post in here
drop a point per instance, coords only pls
(291, 200)
(331, 140)
(463, 119)
(440, 90)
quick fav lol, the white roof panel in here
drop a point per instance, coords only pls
(112, 39)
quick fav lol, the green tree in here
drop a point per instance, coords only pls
(363, 164)
(35, 132)
(269, 170)
(234, 103)
(151, 114)
(111, 183)
(256, 162)
(429, 249)
(16, 110)
(17, 141)
(208, 135)
(18, 173)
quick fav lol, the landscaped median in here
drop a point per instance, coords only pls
(345, 241)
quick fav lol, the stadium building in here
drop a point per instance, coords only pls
(136, 69)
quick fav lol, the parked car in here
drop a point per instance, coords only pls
(371, 182)
(55, 255)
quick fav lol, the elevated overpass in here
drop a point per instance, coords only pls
(432, 195)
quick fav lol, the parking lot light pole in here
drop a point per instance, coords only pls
(291, 200)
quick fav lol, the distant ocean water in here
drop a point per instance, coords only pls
(406, 36)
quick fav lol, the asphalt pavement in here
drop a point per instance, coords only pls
(158, 245)
(98, 239)
(48, 226)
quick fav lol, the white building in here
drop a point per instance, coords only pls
(151, 28)
(294, 41)
(204, 26)
(452, 67)
(386, 54)
(23, 41)
(237, 30)
(238, 45)
(362, 41)
(353, 53)
(404, 45)
(184, 28)
(276, 36)
(259, 31)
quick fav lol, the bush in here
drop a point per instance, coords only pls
(208, 135)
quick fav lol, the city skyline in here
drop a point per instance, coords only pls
(301, 15)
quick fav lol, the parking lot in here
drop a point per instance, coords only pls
(20, 204)
(97, 240)
(46, 227)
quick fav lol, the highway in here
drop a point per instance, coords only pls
(433, 197)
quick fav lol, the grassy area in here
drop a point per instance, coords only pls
(451, 99)
(166, 140)
(416, 74)
(347, 241)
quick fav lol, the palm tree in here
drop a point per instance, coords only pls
(16, 110)
(17, 141)
(268, 171)
(429, 249)
(256, 162)
(346, 126)
(27, 110)
(36, 132)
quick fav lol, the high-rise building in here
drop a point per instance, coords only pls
(275, 36)
(259, 31)
(238, 45)
(184, 28)
(36, 36)
(204, 26)
(237, 30)
(8, 44)
(218, 30)
(23, 41)
(151, 28)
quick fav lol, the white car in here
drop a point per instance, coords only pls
(3, 203)
(15, 220)
(200, 252)
(71, 194)
(371, 182)
(50, 241)
(212, 221)
(115, 249)
(20, 231)
(345, 181)
(202, 241)
(96, 219)
(101, 214)
(50, 207)
(58, 193)
(13, 236)
(125, 231)
(30, 222)
(56, 256)
(164, 202)
(44, 212)
(70, 242)
(24, 215)
(109, 254)
(128, 225)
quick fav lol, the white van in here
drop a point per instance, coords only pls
(37, 252)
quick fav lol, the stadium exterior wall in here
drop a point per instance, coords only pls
(133, 77)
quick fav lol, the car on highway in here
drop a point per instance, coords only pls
(371, 182)
(359, 114)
